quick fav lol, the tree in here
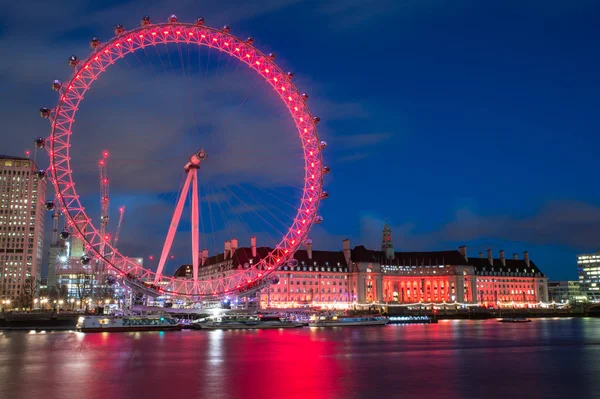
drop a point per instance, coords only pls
(84, 287)
(28, 291)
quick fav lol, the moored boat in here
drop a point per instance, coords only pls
(126, 323)
(340, 321)
(244, 322)
(514, 320)
(412, 319)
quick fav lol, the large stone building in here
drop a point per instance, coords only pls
(22, 212)
(359, 275)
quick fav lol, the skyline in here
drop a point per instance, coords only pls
(464, 109)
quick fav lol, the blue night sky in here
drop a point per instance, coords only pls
(463, 122)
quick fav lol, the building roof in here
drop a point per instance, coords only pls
(510, 265)
(362, 254)
(428, 258)
(243, 255)
(14, 158)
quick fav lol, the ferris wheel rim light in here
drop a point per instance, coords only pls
(87, 70)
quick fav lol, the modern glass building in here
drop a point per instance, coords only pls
(588, 268)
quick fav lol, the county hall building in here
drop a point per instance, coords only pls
(340, 279)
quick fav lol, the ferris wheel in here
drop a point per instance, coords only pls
(78, 224)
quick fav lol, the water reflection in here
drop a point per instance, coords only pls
(453, 359)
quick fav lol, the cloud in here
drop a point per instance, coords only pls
(557, 223)
(364, 139)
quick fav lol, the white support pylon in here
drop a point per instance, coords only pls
(191, 168)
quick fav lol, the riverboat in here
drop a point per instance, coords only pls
(341, 321)
(243, 322)
(126, 323)
(514, 320)
(412, 320)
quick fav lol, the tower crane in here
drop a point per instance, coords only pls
(118, 232)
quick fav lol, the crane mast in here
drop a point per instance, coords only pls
(118, 232)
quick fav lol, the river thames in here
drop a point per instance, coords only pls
(547, 358)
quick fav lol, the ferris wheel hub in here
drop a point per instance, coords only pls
(195, 160)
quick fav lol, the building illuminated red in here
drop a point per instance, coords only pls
(341, 279)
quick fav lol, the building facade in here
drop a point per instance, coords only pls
(588, 269)
(564, 291)
(22, 212)
(358, 275)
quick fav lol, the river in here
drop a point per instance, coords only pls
(547, 358)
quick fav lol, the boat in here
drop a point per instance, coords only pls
(341, 321)
(243, 322)
(514, 320)
(126, 323)
(412, 320)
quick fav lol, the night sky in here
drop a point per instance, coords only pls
(463, 123)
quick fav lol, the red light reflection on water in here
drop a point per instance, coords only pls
(453, 359)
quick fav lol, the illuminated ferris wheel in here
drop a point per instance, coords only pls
(97, 246)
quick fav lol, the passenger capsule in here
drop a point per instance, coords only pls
(324, 194)
(145, 21)
(56, 85)
(173, 19)
(64, 235)
(304, 96)
(94, 43)
(308, 241)
(110, 280)
(323, 145)
(271, 56)
(49, 206)
(249, 40)
(85, 260)
(199, 21)
(226, 29)
(275, 280)
(318, 219)
(41, 174)
(40, 142)
(290, 75)
(316, 119)
(119, 29)
(45, 112)
(73, 61)
(326, 169)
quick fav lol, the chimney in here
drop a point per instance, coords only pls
(490, 257)
(463, 251)
(234, 245)
(346, 251)
(204, 257)
(526, 257)
(502, 259)
(253, 245)
(227, 249)
(308, 245)
(515, 257)
(481, 255)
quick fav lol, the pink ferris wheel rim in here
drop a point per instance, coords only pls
(88, 70)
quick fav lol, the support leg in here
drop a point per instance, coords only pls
(195, 227)
(173, 227)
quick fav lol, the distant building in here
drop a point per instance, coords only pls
(588, 268)
(22, 199)
(564, 291)
(363, 276)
